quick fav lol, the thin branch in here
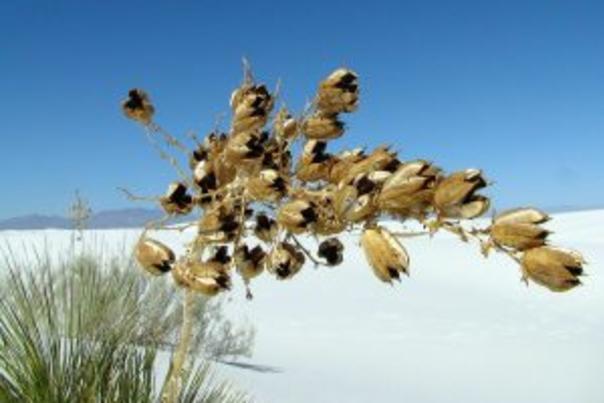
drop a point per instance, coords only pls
(167, 157)
(131, 196)
(315, 261)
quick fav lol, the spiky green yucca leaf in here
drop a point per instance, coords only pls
(89, 330)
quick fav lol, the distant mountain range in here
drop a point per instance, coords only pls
(123, 218)
(138, 217)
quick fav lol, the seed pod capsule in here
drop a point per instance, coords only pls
(379, 160)
(332, 251)
(352, 207)
(177, 199)
(554, 268)
(153, 256)
(339, 92)
(269, 185)
(323, 127)
(266, 228)
(410, 189)
(519, 229)
(455, 196)
(385, 254)
(220, 224)
(250, 262)
(244, 147)
(285, 261)
(315, 164)
(138, 106)
(207, 278)
(297, 216)
(251, 106)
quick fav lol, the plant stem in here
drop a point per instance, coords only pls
(179, 357)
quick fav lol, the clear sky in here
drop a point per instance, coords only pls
(513, 87)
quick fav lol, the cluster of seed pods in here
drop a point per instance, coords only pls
(255, 198)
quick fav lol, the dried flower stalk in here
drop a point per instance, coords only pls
(254, 200)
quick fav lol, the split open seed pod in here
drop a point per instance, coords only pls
(250, 262)
(328, 220)
(385, 254)
(138, 106)
(248, 145)
(381, 159)
(269, 185)
(555, 268)
(297, 216)
(456, 197)
(218, 225)
(277, 156)
(284, 261)
(177, 199)
(315, 164)
(339, 92)
(212, 146)
(323, 127)
(520, 229)
(153, 256)
(207, 278)
(251, 106)
(351, 207)
(221, 256)
(410, 189)
(266, 228)
(332, 251)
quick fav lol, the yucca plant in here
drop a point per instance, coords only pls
(254, 202)
(90, 329)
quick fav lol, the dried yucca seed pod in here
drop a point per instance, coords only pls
(315, 163)
(554, 268)
(343, 162)
(153, 256)
(220, 224)
(247, 145)
(410, 189)
(381, 159)
(269, 185)
(251, 107)
(205, 177)
(297, 216)
(332, 251)
(285, 126)
(323, 127)
(138, 106)
(177, 199)
(266, 228)
(210, 176)
(207, 278)
(339, 92)
(277, 156)
(328, 220)
(221, 256)
(210, 149)
(285, 261)
(250, 262)
(385, 254)
(352, 207)
(455, 195)
(519, 229)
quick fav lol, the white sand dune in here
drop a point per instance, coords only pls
(460, 329)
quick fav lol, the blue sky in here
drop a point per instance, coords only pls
(516, 88)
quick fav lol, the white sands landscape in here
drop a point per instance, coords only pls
(460, 329)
